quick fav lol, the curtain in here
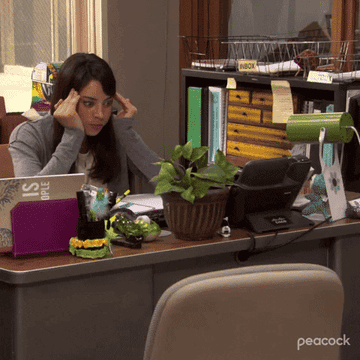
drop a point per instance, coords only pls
(7, 37)
(43, 30)
(199, 20)
(87, 24)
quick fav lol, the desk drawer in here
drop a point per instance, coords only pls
(244, 114)
(262, 98)
(258, 135)
(238, 97)
(267, 117)
(254, 152)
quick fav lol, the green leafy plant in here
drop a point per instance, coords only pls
(198, 177)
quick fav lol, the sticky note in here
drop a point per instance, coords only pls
(231, 83)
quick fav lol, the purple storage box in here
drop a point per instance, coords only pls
(43, 226)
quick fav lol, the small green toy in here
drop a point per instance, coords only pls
(142, 228)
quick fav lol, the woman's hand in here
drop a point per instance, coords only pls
(128, 109)
(65, 111)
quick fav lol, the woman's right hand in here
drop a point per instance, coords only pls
(65, 111)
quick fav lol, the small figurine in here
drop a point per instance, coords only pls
(134, 232)
(99, 208)
(318, 198)
(307, 60)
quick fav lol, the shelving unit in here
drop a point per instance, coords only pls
(335, 93)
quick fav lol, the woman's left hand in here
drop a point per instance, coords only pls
(128, 109)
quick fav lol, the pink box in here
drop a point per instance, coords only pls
(43, 226)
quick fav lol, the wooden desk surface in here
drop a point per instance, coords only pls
(50, 267)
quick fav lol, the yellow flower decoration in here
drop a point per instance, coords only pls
(76, 243)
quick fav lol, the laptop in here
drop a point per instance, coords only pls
(16, 191)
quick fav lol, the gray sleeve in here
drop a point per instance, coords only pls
(31, 151)
(141, 157)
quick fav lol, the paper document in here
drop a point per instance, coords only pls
(283, 106)
(284, 66)
(141, 203)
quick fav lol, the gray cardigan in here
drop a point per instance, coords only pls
(30, 146)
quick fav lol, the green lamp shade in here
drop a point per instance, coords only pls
(305, 128)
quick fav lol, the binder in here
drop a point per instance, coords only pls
(217, 121)
(194, 115)
(197, 129)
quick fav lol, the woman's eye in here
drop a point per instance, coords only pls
(108, 103)
(88, 103)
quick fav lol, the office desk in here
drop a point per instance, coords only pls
(63, 307)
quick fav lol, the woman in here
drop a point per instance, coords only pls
(80, 134)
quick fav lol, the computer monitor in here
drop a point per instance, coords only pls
(268, 189)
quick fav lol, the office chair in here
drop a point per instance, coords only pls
(251, 313)
(6, 165)
(8, 122)
(2, 108)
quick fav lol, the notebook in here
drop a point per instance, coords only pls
(32, 189)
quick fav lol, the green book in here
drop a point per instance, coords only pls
(194, 115)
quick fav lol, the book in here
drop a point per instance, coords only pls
(216, 121)
(194, 115)
(204, 116)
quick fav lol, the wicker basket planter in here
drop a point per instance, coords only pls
(196, 221)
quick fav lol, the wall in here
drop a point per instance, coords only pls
(15, 87)
(143, 50)
(276, 17)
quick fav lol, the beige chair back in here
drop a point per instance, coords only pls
(2, 108)
(251, 313)
(8, 122)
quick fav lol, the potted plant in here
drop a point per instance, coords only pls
(195, 195)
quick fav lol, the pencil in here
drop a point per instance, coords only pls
(127, 192)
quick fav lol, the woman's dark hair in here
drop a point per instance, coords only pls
(75, 73)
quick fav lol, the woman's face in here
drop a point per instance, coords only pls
(94, 107)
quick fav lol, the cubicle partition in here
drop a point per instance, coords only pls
(63, 307)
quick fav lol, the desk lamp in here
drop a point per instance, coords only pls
(334, 128)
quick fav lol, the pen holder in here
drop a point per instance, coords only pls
(90, 229)
(91, 242)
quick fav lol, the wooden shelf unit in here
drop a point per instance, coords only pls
(253, 92)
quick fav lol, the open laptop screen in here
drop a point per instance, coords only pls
(36, 188)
